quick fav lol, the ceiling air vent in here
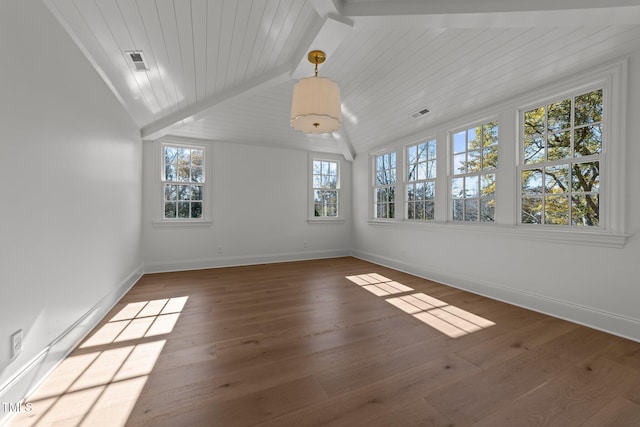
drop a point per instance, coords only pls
(137, 58)
(421, 112)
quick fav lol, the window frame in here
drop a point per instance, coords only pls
(324, 157)
(569, 160)
(451, 153)
(394, 185)
(407, 182)
(159, 203)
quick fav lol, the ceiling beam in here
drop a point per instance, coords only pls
(196, 111)
(341, 138)
(327, 7)
(494, 13)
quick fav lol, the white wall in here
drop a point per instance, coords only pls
(593, 285)
(259, 213)
(70, 208)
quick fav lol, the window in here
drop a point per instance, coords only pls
(421, 180)
(474, 162)
(183, 182)
(561, 155)
(326, 186)
(385, 180)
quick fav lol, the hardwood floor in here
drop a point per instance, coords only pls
(300, 344)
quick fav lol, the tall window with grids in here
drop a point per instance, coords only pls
(384, 187)
(326, 186)
(561, 155)
(421, 180)
(183, 181)
(473, 173)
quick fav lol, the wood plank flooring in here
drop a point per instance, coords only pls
(300, 344)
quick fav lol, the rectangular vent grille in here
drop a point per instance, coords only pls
(137, 58)
(420, 113)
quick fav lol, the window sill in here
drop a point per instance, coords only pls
(182, 223)
(325, 220)
(520, 232)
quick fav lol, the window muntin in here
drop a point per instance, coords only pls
(421, 180)
(474, 160)
(385, 181)
(326, 185)
(183, 181)
(561, 154)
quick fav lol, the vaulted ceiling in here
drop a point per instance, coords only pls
(225, 69)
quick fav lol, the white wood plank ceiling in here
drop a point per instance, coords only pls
(225, 69)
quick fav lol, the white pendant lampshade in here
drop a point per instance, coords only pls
(315, 107)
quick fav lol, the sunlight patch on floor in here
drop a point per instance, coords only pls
(101, 388)
(448, 319)
(378, 284)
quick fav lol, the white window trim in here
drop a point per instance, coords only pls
(399, 195)
(612, 75)
(311, 218)
(405, 177)
(612, 78)
(451, 175)
(158, 200)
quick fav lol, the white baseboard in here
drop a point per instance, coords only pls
(235, 261)
(35, 371)
(612, 323)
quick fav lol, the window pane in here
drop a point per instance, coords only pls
(487, 209)
(473, 138)
(471, 186)
(196, 157)
(459, 142)
(422, 152)
(532, 181)
(183, 210)
(184, 156)
(559, 115)
(411, 210)
(170, 154)
(196, 192)
(412, 154)
(419, 210)
(429, 190)
(533, 149)
(556, 210)
(170, 173)
(183, 173)
(432, 149)
(556, 179)
(196, 174)
(170, 209)
(559, 145)
(318, 209)
(183, 192)
(532, 210)
(420, 191)
(534, 122)
(459, 164)
(585, 177)
(422, 171)
(458, 209)
(457, 188)
(588, 107)
(488, 185)
(196, 210)
(411, 192)
(474, 160)
(490, 134)
(585, 210)
(471, 209)
(170, 192)
(431, 169)
(587, 140)
(429, 209)
(490, 158)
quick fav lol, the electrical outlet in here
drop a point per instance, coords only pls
(16, 343)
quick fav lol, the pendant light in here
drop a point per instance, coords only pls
(315, 107)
